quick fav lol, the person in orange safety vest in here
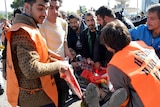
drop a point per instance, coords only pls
(29, 65)
(134, 66)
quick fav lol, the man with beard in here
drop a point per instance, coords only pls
(74, 38)
(150, 32)
(89, 36)
(30, 68)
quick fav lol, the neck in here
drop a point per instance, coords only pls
(155, 33)
(52, 20)
(78, 30)
(93, 30)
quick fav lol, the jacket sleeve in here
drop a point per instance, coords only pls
(26, 58)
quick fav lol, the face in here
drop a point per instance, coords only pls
(153, 21)
(90, 22)
(74, 24)
(53, 11)
(38, 10)
(101, 21)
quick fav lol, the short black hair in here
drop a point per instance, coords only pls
(16, 11)
(105, 11)
(33, 1)
(72, 16)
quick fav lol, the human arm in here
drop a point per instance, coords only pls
(66, 50)
(120, 80)
(27, 60)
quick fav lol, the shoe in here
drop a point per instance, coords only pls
(117, 98)
(92, 95)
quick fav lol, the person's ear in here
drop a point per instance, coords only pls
(27, 7)
(106, 18)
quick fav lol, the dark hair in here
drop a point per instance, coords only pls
(59, 1)
(16, 11)
(155, 8)
(115, 35)
(72, 16)
(89, 14)
(33, 1)
(105, 11)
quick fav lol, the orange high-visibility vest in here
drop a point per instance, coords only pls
(48, 84)
(142, 66)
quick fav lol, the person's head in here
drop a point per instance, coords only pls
(90, 20)
(37, 9)
(53, 11)
(115, 36)
(63, 14)
(15, 12)
(74, 22)
(153, 17)
(104, 15)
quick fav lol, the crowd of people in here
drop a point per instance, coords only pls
(115, 61)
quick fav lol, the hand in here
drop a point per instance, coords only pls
(64, 66)
(89, 61)
(97, 65)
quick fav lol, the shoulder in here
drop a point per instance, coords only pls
(62, 21)
(85, 30)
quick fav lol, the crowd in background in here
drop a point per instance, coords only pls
(78, 38)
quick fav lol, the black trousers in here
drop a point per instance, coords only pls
(63, 90)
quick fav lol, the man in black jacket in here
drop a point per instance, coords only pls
(89, 36)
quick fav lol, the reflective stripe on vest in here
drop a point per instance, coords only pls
(48, 84)
(141, 64)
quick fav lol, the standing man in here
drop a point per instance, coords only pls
(54, 30)
(101, 56)
(29, 68)
(89, 36)
(76, 27)
(150, 32)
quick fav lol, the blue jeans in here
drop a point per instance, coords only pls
(49, 105)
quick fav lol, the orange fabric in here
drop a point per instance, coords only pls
(125, 103)
(71, 79)
(48, 84)
(101, 76)
(141, 64)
